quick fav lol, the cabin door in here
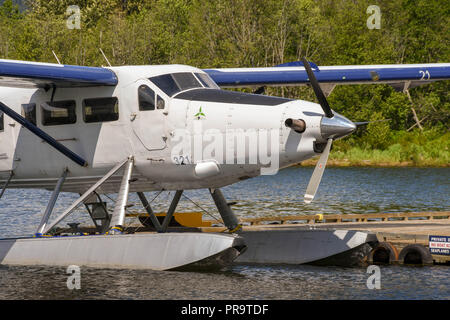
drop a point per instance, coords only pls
(150, 117)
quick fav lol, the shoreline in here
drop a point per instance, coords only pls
(371, 163)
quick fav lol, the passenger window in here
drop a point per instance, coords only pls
(146, 98)
(29, 112)
(2, 125)
(58, 113)
(100, 110)
(160, 102)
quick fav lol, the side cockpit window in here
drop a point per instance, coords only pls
(160, 103)
(101, 109)
(146, 98)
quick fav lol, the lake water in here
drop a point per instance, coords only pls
(343, 190)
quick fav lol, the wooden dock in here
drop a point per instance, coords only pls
(347, 218)
(394, 231)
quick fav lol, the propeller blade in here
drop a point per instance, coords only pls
(363, 123)
(316, 177)
(317, 89)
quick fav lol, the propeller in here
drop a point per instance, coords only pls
(317, 89)
(316, 177)
(363, 123)
(332, 126)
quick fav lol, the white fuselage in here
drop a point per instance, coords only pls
(164, 160)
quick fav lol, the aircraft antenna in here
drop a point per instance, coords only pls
(56, 57)
(104, 56)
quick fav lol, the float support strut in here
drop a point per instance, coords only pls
(171, 211)
(118, 217)
(229, 218)
(152, 216)
(51, 203)
(84, 196)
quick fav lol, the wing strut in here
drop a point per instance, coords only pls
(44, 136)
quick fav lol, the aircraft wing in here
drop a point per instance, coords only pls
(23, 74)
(400, 76)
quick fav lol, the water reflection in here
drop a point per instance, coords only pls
(241, 282)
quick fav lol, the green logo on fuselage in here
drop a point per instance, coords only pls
(199, 114)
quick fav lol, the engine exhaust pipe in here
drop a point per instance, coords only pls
(298, 125)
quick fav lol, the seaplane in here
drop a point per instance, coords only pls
(95, 131)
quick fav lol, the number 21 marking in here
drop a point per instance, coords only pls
(425, 74)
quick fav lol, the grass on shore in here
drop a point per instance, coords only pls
(420, 149)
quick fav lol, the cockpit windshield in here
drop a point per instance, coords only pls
(173, 83)
(207, 81)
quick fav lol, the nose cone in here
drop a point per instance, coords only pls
(336, 127)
